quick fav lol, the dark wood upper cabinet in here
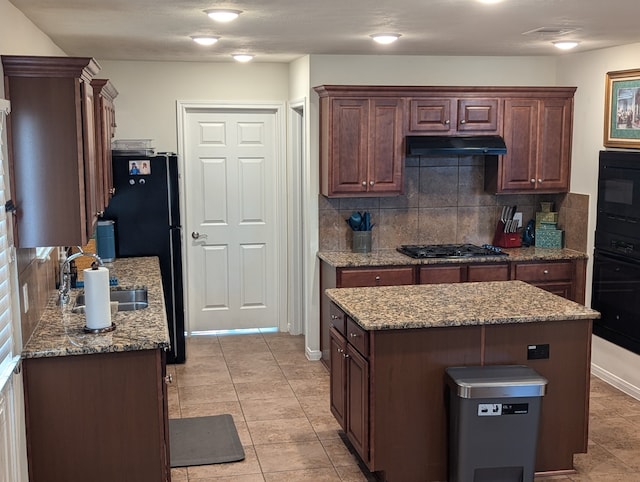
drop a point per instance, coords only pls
(360, 144)
(538, 135)
(105, 117)
(52, 149)
(454, 116)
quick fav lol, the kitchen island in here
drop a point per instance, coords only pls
(96, 403)
(391, 345)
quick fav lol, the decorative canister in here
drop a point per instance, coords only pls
(361, 242)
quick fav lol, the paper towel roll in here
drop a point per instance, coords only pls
(96, 298)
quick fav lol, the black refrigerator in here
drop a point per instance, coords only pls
(145, 208)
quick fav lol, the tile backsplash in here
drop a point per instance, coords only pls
(444, 201)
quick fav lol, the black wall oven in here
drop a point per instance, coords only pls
(616, 261)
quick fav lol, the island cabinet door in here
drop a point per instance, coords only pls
(358, 402)
(564, 416)
(337, 355)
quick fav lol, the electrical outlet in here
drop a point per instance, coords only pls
(518, 217)
(25, 297)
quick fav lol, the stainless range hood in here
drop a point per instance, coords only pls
(455, 146)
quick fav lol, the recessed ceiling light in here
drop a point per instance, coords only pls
(223, 14)
(205, 39)
(242, 57)
(565, 44)
(385, 38)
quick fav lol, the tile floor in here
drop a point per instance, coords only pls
(280, 404)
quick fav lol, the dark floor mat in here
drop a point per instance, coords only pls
(204, 441)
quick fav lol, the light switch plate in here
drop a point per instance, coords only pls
(518, 217)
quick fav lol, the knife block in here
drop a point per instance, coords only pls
(506, 240)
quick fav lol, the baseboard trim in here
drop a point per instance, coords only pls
(313, 355)
(616, 381)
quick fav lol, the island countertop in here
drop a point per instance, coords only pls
(391, 257)
(61, 332)
(456, 304)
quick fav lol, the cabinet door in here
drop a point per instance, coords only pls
(348, 135)
(555, 277)
(338, 376)
(386, 161)
(362, 277)
(554, 145)
(92, 172)
(431, 116)
(480, 116)
(520, 135)
(358, 402)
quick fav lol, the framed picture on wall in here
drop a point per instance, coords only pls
(622, 109)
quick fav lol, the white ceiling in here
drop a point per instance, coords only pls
(283, 30)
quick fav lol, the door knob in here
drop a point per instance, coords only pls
(197, 235)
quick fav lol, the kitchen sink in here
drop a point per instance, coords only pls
(129, 299)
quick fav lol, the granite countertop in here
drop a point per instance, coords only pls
(391, 257)
(457, 304)
(61, 332)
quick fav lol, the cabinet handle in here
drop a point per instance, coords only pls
(99, 214)
(364, 183)
(533, 181)
(168, 378)
(546, 271)
(463, 121)
(112, 190)
(371, 183)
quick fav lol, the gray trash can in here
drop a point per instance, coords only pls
(494, 413)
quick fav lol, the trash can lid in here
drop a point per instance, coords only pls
(496, 381)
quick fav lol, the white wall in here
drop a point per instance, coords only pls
(588, 72)
(148, 91)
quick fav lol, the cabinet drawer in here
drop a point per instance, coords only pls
(488, 272)
(543, 271)
(354, 278)
(441, 274)
(358, 337)
(337, 319)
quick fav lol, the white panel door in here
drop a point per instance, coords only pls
(230, 193)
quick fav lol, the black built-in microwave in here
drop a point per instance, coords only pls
(618, 220)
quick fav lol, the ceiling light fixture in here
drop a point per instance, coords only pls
(242, 57)
(204, 39)
(222, 14)
(385, 38)
(565, 44)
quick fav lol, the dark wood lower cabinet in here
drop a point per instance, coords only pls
(98, 417)
(392, 400)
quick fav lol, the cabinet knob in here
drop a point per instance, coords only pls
(334, 317)
(100, 214)
(371, 183)
(447, 122)
(463, 121)
(112, 190)
(168, 378)
(353, 335)
(540, 181)
(364, 183)
(346, 355)
(533, 181)
(546, 271)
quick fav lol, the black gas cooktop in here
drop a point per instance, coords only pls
(450, 250)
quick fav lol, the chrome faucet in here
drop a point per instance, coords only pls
(65, 274)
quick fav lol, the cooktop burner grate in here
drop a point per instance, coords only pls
(449, 250)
